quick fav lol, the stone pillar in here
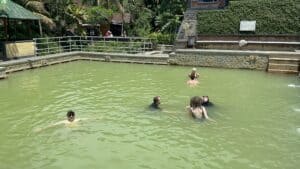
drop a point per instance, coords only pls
(2, 73)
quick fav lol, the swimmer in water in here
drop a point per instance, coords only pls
(193, 78)
(206, 101)
(196, 108)
(155, 104)
(70, 118)
(70, 121)
(193, 75)
(193, 82)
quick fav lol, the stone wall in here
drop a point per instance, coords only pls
(275, 38)
(36, 62)
(125, 58)
(222, 59)
(2, 72)
(251, 45)
(41, 61)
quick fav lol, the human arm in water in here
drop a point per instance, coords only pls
(205, 114)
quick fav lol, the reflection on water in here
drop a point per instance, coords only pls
(256, 114)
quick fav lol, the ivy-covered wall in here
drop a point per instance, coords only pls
(272, 17)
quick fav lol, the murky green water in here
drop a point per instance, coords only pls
(257, 114)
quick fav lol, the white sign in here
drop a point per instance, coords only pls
(247, 26)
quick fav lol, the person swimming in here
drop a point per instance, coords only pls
(192, 82)
(155, 104)
(70, 121)
(196, 108)
(193, 75)
(193, 78)
(206, 101)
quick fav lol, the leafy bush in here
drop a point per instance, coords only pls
(161, 38)
(272, 17)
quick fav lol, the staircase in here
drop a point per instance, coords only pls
(288, 64)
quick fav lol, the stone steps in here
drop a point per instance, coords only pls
(284, 65)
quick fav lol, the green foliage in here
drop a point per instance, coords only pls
(98, 15)
(114, 46)
(162, 38)
(272, 17)
(141, 23)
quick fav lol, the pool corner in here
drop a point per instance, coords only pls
(3, 73)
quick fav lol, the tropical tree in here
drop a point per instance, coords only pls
(38, 7)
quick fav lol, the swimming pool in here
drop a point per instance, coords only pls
(257, 116)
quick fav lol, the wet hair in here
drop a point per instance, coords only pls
(155, 99)
(196, 101)
(71, 113)
(206, 98)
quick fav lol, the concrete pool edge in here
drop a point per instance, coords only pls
(257, 60)
(41, 61)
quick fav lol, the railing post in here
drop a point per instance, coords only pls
(93, 44)
(48, 46)
(80, 39)
(144, 46)
(59, 45)
(70, 44)
(35, 47)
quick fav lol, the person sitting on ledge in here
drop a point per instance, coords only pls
(155, 104)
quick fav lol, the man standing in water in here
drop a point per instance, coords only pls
(193, 78)
(194, 75)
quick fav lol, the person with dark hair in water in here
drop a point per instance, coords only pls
(70, 121)
(206, 101)
(196, 108)
(155, 104)
(71, 115)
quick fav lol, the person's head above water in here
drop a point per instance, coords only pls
(196, 101)
(71, 115)
(205, 99)
(156, 100)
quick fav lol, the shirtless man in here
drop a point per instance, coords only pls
(193, 78)
(194, 75)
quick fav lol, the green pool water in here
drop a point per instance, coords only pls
(257, 114)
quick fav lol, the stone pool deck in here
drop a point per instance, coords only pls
(258, 60)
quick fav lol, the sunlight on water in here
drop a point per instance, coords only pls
(257, 116)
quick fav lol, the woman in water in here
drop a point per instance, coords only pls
(196, 109)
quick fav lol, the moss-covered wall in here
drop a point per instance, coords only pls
(272, 17)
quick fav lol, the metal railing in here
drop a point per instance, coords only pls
(54, 45)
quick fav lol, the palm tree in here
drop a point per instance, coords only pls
(38, 7)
